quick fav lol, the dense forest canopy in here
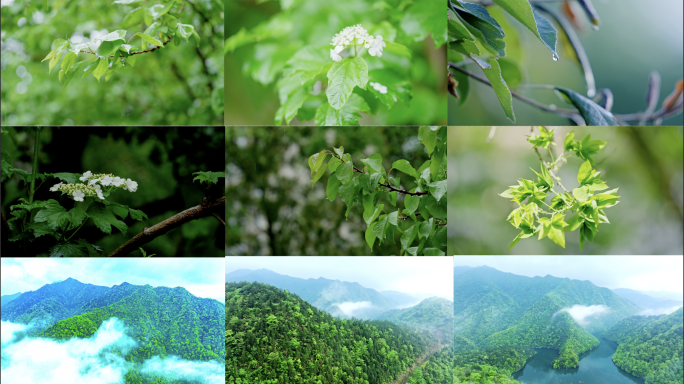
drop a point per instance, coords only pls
(163, 322)
(273, 336)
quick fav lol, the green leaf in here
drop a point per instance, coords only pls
(436, 208)
(408, 236)
(522, 11)
(103, 218)
(137, 215)
(581, 194)
(369, 215)
(425, 228)
(133, 17)
(101, 68)
(68, 60)
(593, 114)
(585, 173)
(149, 39)
(333, 186)
(317, 174)
(393, 217)
(327, 116)
(574, 223)
(425, 17)
(208, 177)
(41, 229)
(348, 192)
(345, 172)
(68, 250)
(587, 148)
(438, 189)
(74, 70)
(397, 88)
(398, 49)
(500, 88)
(411, 203)
(70, 178)
(482, 25)
(185, 30)
(374, 163)
(570, 142)
(316, 160)
(380, 226)
(441, 236)
(339, 151)
(308, 62)
(343, 76)
(370, 236)
(438, 156)
(433, 252)
(406, 167)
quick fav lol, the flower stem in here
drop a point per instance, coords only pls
(79, 227)
(32, 190)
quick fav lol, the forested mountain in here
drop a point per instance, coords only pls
(7, 298)
(490, 366)
(163, 321)
(402, 299)
(650, 347)
(646, 301)
(437, 370)
(274, 336)
(50, 303)
(339, 298)
(494, 309)
(435, 314)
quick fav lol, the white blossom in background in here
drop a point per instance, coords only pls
(356, 36)
(334, 53)
(375, 46)
(378, 87)
(95, 185)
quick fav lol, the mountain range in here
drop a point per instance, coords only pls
(339, 298)
(656, 305)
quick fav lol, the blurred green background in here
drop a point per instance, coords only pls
(160, 160)
(315, 22)
(635, 38)
(271, 208)
(177, 85)
(644, 162)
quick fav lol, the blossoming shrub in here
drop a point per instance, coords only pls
(326, 77)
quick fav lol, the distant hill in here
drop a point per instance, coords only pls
(435, 314)
(339, 298)
(7, 298)
(272, 335)
(402, 299)
(650, 347)
(657, 305)
(495, 309)
(667, 295)
(461, 269)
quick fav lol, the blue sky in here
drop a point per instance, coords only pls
(203, 277)
(641, 273)
(431, 275)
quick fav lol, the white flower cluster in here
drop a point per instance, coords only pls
(378, 87)
(356, 36)
(94, 187)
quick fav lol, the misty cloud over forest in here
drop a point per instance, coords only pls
(582, 313)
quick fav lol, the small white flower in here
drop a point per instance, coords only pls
(117, 181)
(334, 53)
(375, 46)
(55, 187)
(93, 181)
(107, 180)
(131, 185)
(98, 190)
(85, 176)
(78, 195)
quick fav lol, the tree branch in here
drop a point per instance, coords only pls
(206, 69)
(386, 185)
(138, 52)
(219, 219)
(179, 76)
(205, 209)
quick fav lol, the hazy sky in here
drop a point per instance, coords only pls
(203, 277)
(643, 273)
(431, 275)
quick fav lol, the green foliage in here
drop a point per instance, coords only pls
(428, 198)
(291, 50)
(435, 314)
(481, 374)
(494, 310)
(112, 51)
(650, 347)
(437, 370)
(587, 205)
(273, 336)
(208, 177)
(506, 359)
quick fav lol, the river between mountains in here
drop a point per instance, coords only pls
(595, 367)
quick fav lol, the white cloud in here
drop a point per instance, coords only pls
(581, 313)
(660, 311)
(172, 368)
(349, 307)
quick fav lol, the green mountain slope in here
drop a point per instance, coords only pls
(5, 299)
(435, 314)
(51, 303)
(494, 309)
(273, 336)
(650, 347)
(437, 370)
(324, 294)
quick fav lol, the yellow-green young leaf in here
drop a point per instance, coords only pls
(133, 17)
(50, 55)
(370, 236)
(585, 173)
(343, 76)
(316, 160)
(522, 11)
(58, 46)
(500, 88)
(54, 61)
(68, 60)
(101, 68)
(149, 39)
(398, 49)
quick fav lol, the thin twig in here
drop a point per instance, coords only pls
(137, 52)
(549, 169)
(219, 219)
(206, 209)
(183, 6)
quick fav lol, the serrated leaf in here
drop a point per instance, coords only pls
(70, 178)
(208, 177)
(103, 218)
(343, 76)
(328, 116)
(137, 215)
(68, 250)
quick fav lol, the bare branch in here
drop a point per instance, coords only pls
(207, 208)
